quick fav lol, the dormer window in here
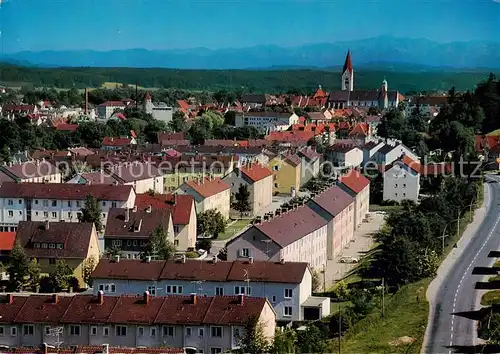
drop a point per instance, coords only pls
(60, 246)
(44, 245)
(52, 245)
(36, 245)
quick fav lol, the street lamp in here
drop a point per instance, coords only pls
(457, 221)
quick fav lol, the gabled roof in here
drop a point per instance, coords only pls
(7, 240)
(134, 171)
(31, 169)
(42, 309)
(347, 63)
(334, 200)
(309, 153)
(74, 237)
(412, 164)
(355, 181)
(64, 191)
(436, 169)
(291, 226)
(112, 141)
(292, 159)
(180, 205)
(113, 104)
(67, 127)
(255, 172)
(208, 186)
(361, 129)
(170, 136)
(141, 223)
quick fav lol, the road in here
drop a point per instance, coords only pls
(455, 289)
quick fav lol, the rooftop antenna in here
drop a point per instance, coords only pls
(56, 332)
(200, 287)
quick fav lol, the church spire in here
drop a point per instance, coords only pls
(347, 83)
(348, 63)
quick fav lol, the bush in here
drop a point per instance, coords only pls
(192, 254)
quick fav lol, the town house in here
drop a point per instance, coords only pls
(259, 181)
(344, 155)
(369, 150)
(298, 235)
(287, 285)
(358, 187)
(56, 202)
(39, 171)
(130, 229)
(402, 180)
(199, 324)
(391, 152)
(286, 173)
(310, 164)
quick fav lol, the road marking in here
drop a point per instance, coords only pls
(463, 276)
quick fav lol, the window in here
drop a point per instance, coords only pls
(287, 311)
(20, 212)
(13, 331)
(121, 331)
(69, 215)
(176, 229)
(45, 214)
(174, 289)
(47, 330)
(69, 203)
(219, 291)
(117, 243)
(93, 330)
(404, 185)
(54, 203)
(245, 252)
(36, 201)
(60, 246)
(276, 185)
(395, 194)
(176, 243)
(107, 288)
(276, 168)
(168, 331)
(404, 194)
(129, 243)
(134, 243)
(52, 245)
(2, 331)
(105, 331)
(28, 330)
(152, 332)
(140, 331)
(45, 203)
(152, 290)
(201, 332)
(11, 213)
(52, 261)
(44, 245)
(396, 185)
(103, 204)
(74, 330)
(242, 290)
(78, 215)
(113, 204)
(11, 202)
(54, 215)
(216, 331)
(188, 331)
(236, 333)
(215, 350)
(288, 293)
(77, 203)
(274, 298)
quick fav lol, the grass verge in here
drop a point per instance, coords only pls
(405, 315)
(386, 208)
(491, 298)
(233, 228)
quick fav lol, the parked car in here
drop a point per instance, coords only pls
(349, 259)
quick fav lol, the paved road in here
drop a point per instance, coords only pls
(456, 292)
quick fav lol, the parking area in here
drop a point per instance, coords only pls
(363, 241)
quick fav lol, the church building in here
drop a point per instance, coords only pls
(160, 111)
(381, 98)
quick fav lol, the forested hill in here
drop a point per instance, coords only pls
(246, 80)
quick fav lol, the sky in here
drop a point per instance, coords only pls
(37, 25)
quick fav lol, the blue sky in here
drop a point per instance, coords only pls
(165, 24)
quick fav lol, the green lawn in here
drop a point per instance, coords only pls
(386, 208)
(233, 228)
(490, 298)
(404, 316)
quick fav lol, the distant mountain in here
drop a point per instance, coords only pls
(399, 53)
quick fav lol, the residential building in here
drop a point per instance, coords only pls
(113, 143)
(196, 323)
(389, 153)
(369, 150)
(402, 180)
(9, 111)
(259, 181)
(310, 164)
(105, 110)
(159, 111)
(298, 235)
(266, 121)
(429, 106)
(344, 155)
(286, 173)
(56, 202)
(287, 285)
(39, 171)
(208, 193)
(183, 211)
(48, 242)
(337, 207)
(90, 349)
(358, 186)
(254, 100)
(130, 229)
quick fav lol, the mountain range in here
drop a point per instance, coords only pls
(419, 54)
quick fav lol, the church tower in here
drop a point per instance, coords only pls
(347, 74)
(384, 96)
(148, 103)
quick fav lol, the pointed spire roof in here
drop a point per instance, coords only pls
(348, 63)
(148, 96)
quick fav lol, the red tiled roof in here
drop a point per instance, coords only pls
(435, 169)
(355, 181)
(64, 191)
(180, 209)
(292, 159)
(75, 238)
(194, 270)
(208, 187)
(7, 240)
(184, 106)
(255, 172)
(31, 169)
(170, 136)
(348, 63)
(42, 309)
(10, 310)
(320, 93)
(334, 200)
(119, 115)
(291, 226)
(290, 136)
(88, 309)
(361, 129)
(414, 165)
(136, 310)
(67, 127)
(112, 141)
(18, 107)
(112, 104)
(309, 154)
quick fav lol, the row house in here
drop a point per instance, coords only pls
(345, 155)
(286, 173)
(208, 193)
(197, 324)
(129, 230)
(286, 285)
(259, 181)
(337, 207)
(90, 349)
(298, 235)
(117, 143)
(429, 106)
(402, 180)
(38, 171)
(183, 211)
(47, 242)
(244, 154)
(310, 164)
(57, 202)
(358, 187)
(10, 111)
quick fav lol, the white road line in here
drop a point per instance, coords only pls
(463, 276)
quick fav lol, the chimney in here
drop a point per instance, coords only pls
(45, 348)
(135, 209)
(149, 208)
(241, 299)
(105, 349)
(282, 260)
(183, 258)
(175, 199)
(100, 297)
(47, 224)
(127, 215)
(194, 299)
(117, 258)
(214, 259)
(146, 297)
(86, 101)
(55, 298)
(138, 227)
(10, 299)
(148, 259)
(250, 260)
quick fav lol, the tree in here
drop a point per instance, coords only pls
(91, 212)
(60, 276)
(88, 267)
(252, 340)
(159, 246)
(211, 223)
(18, 267)
(204, 244)
(242, 200)
(113, 252)
(315, 281)
(311, 340)
(284, 342)
(178, 123)
(33, 275)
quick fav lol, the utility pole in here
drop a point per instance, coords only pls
(340, 329)
(383, 296)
